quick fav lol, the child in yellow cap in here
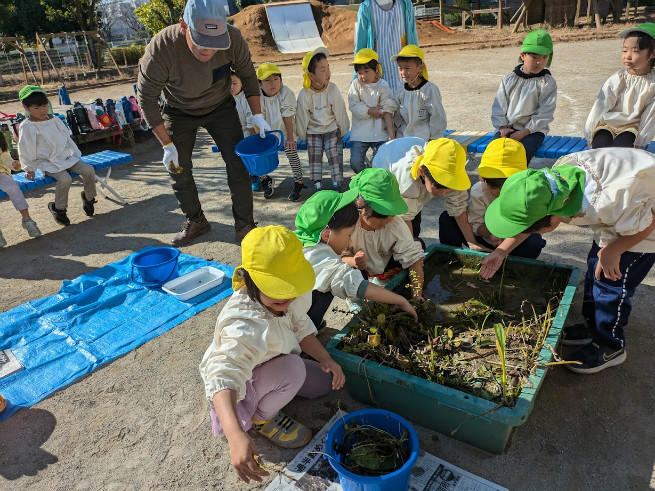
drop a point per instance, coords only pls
(252, 368)
(420, 111)
(325, 224)
(525, 102)
(321, 118)
(436, 170)
(624, 112)
(279, 111)
(502, 158)
(372, 106)
(380, 234)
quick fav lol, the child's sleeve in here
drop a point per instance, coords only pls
(301, 324)
(456, 203)
(302, 115)
(476, 208)
(339, 110)
(406, 250)
(398, 117)
(71, 144)
(605, 102)
(358, 108)
(387, 101)
(646, 126)
(333, 275)
(27, 148)
(436, 111)
(499, 107)
(546, 111)
(237, 348)
(288, 103)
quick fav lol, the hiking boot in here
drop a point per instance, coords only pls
(59, 215)
(87, 205)
(576, 335)
(267, 186)
(190, 231)
(3, 242)
(297, 190)
(284, 431)
(240, 234)
(336, 186)
(32, 229)
(256, 183)
(318, 185)
(594, 358)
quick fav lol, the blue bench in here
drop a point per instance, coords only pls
(302, 144)
(99, 161)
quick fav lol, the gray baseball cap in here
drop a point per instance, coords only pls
(207, 21)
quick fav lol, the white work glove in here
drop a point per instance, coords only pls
(171, 160)
(260, 125)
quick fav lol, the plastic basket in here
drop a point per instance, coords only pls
(155, 267)
(259, 155)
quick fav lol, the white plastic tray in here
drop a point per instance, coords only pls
(194, 283)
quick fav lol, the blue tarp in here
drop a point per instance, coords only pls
(92, 320)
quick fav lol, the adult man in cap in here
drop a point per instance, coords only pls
(189, 65)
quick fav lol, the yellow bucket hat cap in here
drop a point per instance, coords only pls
(446, 161)
(305, 64)
(365, 55)
(265, 70)
(502, 158)
(273, 257)
(413, 51)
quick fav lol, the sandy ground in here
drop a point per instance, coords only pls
(141, 422)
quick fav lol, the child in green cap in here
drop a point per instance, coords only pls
(325, 224)
(45, 144)
(381, 234)
(624, 113)
(525, 102)
(609, 190)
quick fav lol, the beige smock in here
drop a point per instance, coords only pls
(245, 114)
(47, 146)
(619, 193)
(525, 103)
(323, 112)
(332, 274)
(281, 105)
(247, 334)
(420, 112)
(480, 201)
(394, 239)
(625, 102)
(5, 162)
(361, 98)
(416, 194)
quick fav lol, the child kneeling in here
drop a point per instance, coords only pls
(252, 368)
(45, 144)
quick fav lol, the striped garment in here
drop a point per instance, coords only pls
(389, 26)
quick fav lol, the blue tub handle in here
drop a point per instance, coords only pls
(280, 147)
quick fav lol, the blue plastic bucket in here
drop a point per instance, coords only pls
(387, 421)
(258, 154)
(155, 266)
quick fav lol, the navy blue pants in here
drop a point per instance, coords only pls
(531, 143)
(606, 304)
(320, 303)
(450, 234)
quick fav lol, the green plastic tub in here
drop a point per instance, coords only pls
(445, 409)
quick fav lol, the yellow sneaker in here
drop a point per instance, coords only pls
(284, 431)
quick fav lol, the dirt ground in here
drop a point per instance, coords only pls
(141, 422)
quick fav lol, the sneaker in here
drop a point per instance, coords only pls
(336, 186)
(32, 229)
(284, 431)
(295, 193)
(240, 234)
(594, 358)
(576, 335)
(190, 231)
(318, 186)
(3, 242)
(87, 205)
(59, 215)
(268, 186)
(256, 183)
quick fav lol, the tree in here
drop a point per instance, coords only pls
(24, 17)
(157, 14)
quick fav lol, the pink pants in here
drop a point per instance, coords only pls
(273, 385)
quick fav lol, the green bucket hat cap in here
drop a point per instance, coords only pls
(315, 214)
(538, 42)
(379, 188)
(530, 195)
(646, 28)
(28, 90)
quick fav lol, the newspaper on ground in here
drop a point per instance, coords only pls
(310, 470)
